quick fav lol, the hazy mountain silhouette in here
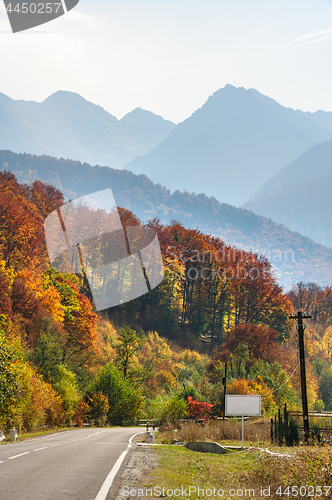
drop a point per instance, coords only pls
(296, 257)
(300, 195)
(232, 145)
(66, 125)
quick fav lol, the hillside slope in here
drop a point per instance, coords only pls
(300, 195)
(295, 257)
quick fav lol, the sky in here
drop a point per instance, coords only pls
(169, 56)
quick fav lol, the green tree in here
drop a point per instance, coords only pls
(128, 344)
(66, 386)
(8, 376)
(175, 408)
(124, 400)
(47, 356)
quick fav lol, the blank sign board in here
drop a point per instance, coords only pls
(243, 405)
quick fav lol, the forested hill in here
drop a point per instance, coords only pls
(61, 363)
(297, 258)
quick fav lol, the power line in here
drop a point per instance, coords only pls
(268, 394)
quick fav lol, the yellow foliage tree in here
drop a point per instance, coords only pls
(327, 343)
(43, 290)
(258, 387)
(39, 404)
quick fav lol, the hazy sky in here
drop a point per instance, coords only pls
(168, 56)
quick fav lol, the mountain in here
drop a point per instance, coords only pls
(300, 195)
(322, 118)
(295, 257)
(232, 145)
(66, 125)
(316, 161)
(227, 148)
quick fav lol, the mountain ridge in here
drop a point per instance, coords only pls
(230, 146)
(65, 124)
(318, 158)
(299, 196)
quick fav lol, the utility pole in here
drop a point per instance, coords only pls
(299, 316)
(224, 383)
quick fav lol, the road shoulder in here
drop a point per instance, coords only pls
(137, 472)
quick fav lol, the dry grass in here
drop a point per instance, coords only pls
(306, 473)
(306, 467)
(256, 432)
(302, 472)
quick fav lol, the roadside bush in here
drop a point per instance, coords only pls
(8, 379)
(315, 434)
(98, 409)
(293, 432)
(39, 404)
(125, 402)
(199, 410)
(175, 408)
(66, 386)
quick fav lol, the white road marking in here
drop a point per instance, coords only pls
(44, 448)
(16, 456)
(132, 437)
(52, 445)
(106, 486)
(1, 462)
(110, 478)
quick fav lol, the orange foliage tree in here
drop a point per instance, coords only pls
(247, 343)
(81, 332)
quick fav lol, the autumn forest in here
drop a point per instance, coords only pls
(61, 362)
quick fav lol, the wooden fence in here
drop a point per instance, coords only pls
(280, 427)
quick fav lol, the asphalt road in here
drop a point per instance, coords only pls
(72, 465)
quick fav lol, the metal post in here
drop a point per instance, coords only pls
(242, 429)
(280, 427)
(275, 428)
(299, 316)
(286, 424)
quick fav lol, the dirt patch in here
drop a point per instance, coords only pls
(137, 473)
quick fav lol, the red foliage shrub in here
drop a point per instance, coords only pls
(198, 410)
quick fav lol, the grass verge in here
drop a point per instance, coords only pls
(307, 473)
(32, 435)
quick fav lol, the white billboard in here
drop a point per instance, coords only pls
(240, 405)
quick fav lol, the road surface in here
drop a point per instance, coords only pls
(72, 465)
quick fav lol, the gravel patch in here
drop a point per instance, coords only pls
(137, 473)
